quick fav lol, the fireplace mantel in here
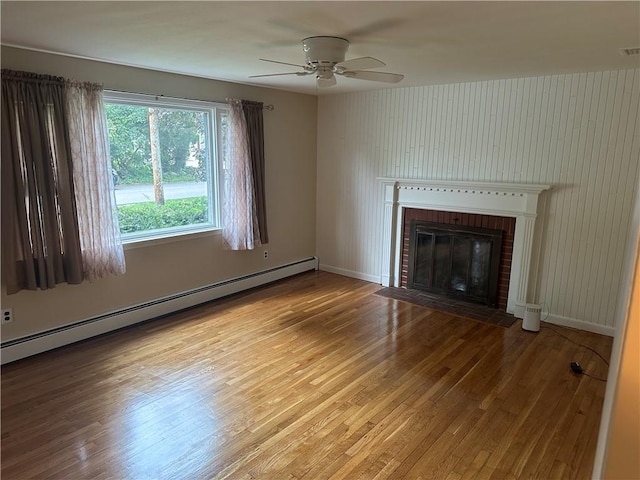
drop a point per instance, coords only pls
(489, 198)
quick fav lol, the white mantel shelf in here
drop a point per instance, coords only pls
(455, 185)
(517, 200)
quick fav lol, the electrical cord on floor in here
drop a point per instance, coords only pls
(575, 367)
(576, 343)
(572, 341)
(594, 377)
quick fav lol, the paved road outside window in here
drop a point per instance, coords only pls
(144, 193)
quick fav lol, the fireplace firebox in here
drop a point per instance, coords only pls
(456, 261)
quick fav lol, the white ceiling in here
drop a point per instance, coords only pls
(429, 42)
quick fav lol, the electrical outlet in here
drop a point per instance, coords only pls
(266, 254)
(7, 315)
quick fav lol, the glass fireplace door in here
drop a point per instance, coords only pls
(456, 261)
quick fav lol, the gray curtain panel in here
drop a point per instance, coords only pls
(255, 133)
(41, 244)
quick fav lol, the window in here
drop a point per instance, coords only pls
(166, 157)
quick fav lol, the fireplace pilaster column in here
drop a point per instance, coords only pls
(389, 236)
(522, 249)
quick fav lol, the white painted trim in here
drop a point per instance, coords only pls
(350, 273)
(58, 337)
(580, 325)
(443, 185)
(502, 199)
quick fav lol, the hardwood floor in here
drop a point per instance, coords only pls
(313, 377)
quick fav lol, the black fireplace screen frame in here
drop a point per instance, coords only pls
(456, 261)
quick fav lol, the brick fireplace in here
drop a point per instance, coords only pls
(511, 207)
(506, 225)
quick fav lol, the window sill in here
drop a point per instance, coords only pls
(169, 238)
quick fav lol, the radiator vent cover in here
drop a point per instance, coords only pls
(630, 51)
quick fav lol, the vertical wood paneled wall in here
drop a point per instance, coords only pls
(578, 132)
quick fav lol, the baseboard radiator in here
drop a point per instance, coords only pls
(19, 348)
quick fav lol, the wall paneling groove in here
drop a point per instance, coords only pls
(578, 132)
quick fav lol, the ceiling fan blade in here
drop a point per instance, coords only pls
(362, 63)
(375, 27)
(326, 82)
(283, 63)
(300, 74)
(374, 76)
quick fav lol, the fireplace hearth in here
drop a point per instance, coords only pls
(456, 261)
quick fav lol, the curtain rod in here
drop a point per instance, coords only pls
(269, 107)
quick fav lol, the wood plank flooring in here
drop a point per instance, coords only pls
(312, 377)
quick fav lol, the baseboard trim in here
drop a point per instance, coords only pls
(580, 325)
(23, 347)
(350, 273)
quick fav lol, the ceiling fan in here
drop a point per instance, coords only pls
(324, 58)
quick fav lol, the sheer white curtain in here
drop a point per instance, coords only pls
(102, 252)
(240, 229)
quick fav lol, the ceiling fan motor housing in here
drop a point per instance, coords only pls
(324, 51)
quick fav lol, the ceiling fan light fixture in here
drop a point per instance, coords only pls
(324, 82)
(324, 72)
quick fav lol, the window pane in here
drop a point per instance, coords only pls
(162, 167)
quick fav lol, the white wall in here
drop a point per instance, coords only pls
(616, 455)
(577, 132)
(165, 269)
(622, 460)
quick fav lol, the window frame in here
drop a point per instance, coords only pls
(215, 171)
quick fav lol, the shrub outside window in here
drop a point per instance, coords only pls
(166, 156)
